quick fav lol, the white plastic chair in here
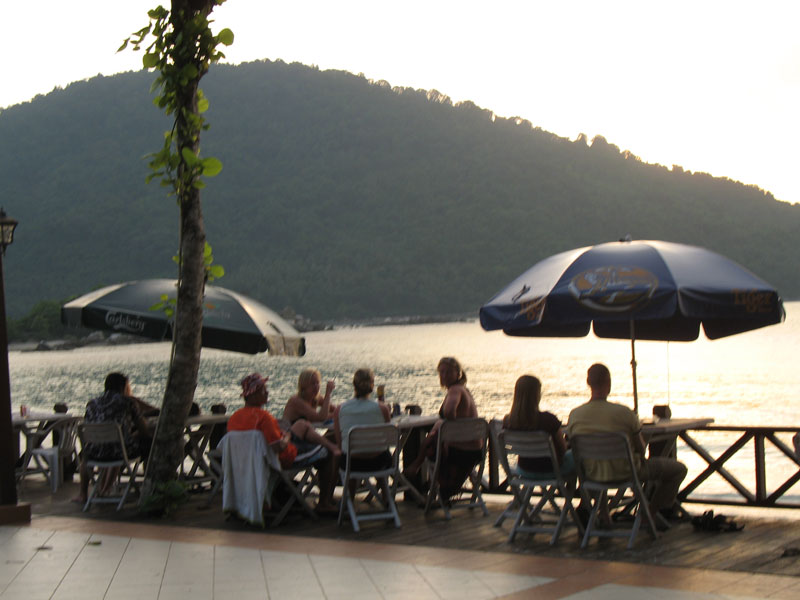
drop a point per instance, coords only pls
(609, 446)
(529, 518)
(455, 432)
(108, 433)
(251, 472)
(50, 460)
(370, 440)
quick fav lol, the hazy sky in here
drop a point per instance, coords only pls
(712, 86)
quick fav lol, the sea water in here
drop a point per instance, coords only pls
(744, 380)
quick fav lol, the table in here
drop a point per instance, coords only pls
(32, 426)
(35, 427)
(407, 424)
(198, 433)
(661, 434)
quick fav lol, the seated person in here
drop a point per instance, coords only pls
(461, 458)
(598, 415)
(300, 438)
(307, 403)
(116, 405)
(526, 416)
(361, 410)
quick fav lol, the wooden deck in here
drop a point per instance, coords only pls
(766, 545)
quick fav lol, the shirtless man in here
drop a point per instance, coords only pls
(307, 403)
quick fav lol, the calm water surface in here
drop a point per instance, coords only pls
(752, 378)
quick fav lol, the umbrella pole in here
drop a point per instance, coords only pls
(633, 369)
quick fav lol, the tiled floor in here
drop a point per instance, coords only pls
(63, 558)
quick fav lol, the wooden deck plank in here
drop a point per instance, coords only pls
(759, 548)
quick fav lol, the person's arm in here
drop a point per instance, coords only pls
(297, 408)
(639, 445)
(450, 404)
(144, 407)
(324, 410)
(139, 423)
(336, 428)
(560, 443)
(281, 444)
(276, 439)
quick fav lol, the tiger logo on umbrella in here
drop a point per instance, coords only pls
(614, 288)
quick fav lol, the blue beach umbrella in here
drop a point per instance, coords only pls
(642, 289)
(231, 321)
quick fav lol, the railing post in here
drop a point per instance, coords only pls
(761, 471)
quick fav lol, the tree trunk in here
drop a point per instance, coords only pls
(167, 451)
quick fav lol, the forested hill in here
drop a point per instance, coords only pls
(345, 198)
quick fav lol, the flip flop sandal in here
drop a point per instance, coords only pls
(716, 524)
(704, 522)
(724, 523)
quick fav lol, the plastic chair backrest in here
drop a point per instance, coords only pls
(529, 444)
(371, 439)
(602, 446)
(67, 433)
(101, 433)
(463, 430)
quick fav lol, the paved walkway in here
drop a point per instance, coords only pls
(63, 558)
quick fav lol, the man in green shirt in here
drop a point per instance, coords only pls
(598, 415)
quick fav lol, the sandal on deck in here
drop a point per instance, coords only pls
(715, 523)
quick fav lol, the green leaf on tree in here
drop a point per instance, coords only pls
(225, 37)
(211, 166)
(188, 156)
(150, 61)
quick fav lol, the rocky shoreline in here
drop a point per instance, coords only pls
(95, 338)
(101, 338)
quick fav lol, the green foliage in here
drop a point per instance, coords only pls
(180, 57)
(43, 322)
(212, 271)
(166, 498)
(167, 304)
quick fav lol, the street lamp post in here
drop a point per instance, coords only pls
(8, 486)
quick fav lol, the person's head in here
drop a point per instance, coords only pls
(599, 379)
(254, 389)
(363, 382)
(308, 383)
(450, 372)
(525, 408)
(116, 382)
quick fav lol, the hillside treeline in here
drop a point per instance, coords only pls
(345, 198)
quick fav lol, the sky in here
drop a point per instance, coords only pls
(712, 86)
